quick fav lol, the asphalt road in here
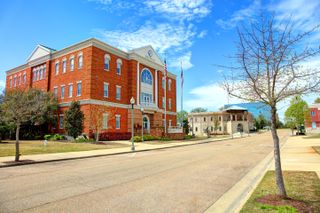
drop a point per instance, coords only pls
(184, 179)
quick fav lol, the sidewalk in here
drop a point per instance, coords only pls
(297, 154)
(139, 147)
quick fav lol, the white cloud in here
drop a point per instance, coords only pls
(240, 15)
(185, 59)
(162, 37)
(211, 96)
(180, 9)
(202, 34)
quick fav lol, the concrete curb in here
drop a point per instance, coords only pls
(234, 199)
(111, 154)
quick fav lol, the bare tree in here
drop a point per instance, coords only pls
(20, 106)
(270, 57)
(96, 119)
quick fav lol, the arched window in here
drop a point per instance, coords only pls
(106, 61)
(146, 77)
(80, 61)
(71, 63)
(119, 63)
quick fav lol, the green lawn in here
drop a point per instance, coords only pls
(37, 147)
(157, 142)
(304, 186)
(313, 136)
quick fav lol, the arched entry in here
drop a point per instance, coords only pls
(146, 124)
(239, 128)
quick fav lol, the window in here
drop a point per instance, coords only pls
(70, 90)
(211, 128)
(19, 79)
(57, 68)
(118, 92)
(169, 85)
(196, 129)
(71, 63)
(204, 119)
(163, 83)
(44, 73)
(105, 120)
(24, 78)
(169, 103)
(211, 118)
(61, 121)
(15, 81)
(40, 74)
(79, 89)
(37, 72)
(105, 90)
(62, 92)
(117, 121)
(64, 66)
(163, 103)
(146, 77)
(119, 63)
(170, 123)
(55, 91)
(106, 61)
(220, 128)
(10, 81)
(313, 113)
(80, 61)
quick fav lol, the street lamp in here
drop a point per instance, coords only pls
(132, 101)
(142, 111)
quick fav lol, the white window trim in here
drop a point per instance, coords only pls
(104, 62)
(117, 86)
(64, 92)
(169, 84)
(170, 103)
(64, 70)
(70, 84)
(79, 82)
(55, 66)
(61, 115)
(118, 116)
(71, 57)
(105, 125)
(79, 54)
(119, 61)
(24, 79)
(105, 83)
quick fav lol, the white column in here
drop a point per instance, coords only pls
(138, 83)
(156, 90)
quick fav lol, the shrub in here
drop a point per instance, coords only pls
(150, 138)
(165, 139)
(47, 137)
(137, 139)
(110, 136)
(187, 137)
(84, 140)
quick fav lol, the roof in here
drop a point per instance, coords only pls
(234, 107)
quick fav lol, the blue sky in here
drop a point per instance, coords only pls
(199, 33)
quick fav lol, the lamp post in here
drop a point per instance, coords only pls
(132, 101)
(142, 111)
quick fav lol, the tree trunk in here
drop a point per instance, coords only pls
(279, 178)
(97, 136)
(17, 144)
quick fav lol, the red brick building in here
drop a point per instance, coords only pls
(314, 124)
(99, 75)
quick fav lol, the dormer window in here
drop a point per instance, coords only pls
(106, 62)
(119, 64)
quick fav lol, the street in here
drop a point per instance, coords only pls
(184, 179)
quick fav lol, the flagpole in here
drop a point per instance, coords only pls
(165, 97)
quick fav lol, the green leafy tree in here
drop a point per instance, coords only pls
(186, 126)
(73, 120)
(19, 107)
(216, 124)
(317, 101)
(199, 109)
(296, 112)
(181, 116)
(260, 122)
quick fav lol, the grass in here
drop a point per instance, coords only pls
(158, 142)
(7, 148)
(304, 186)
(317, 149)
(313, 136)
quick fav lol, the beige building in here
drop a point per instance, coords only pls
(227, 121)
